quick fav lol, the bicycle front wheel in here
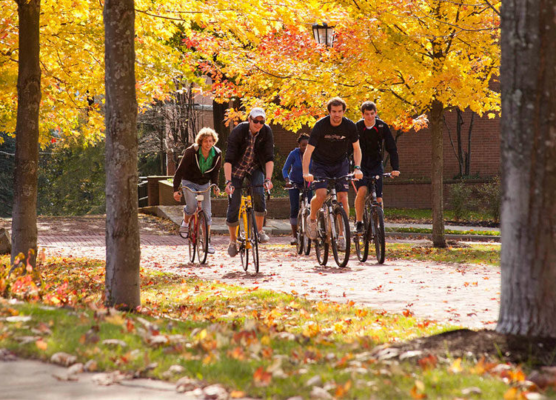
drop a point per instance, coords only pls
(300, 233)
(341, 243)
(377, 220)
(306, 240)
(242, 232)
(254, 241)
(362, 240)
(202, 237)
(321, 246)
(192, 239)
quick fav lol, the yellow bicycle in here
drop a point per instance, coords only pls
(246, 234)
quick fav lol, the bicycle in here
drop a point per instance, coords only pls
(373, 223)
(332, 224)
(198, 234)
(303, 241)
(247, 234)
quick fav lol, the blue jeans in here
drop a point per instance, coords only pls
(191, 202)
(258, 200)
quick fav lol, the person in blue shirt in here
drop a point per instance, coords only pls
(293, 173)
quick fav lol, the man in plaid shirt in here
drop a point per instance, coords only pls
(250, 154)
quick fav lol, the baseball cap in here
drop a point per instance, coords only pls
(257, 112)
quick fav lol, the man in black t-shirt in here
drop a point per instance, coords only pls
(373, 132)
(330, 141)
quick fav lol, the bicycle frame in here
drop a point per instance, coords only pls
(245, 205)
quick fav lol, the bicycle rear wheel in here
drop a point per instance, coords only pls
(377, 218)
(362, 240)
(300, 233)
(254, 241)
(202, 237)
(321, 246)
(192, 239)
(340, 230)
(241, 235)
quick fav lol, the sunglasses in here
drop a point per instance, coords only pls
(258, 121)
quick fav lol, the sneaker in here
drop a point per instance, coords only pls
(232, 249)
(312, 229)
(184, 228)
(210, 249)
(294, 242)
(359, 227)
(341, 243)
(263, 237)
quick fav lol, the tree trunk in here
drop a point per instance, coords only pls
(24, 223)
(219, 114)
(528, 259)
(459, 125)
(437, 187)
(468, 155)
(122, 227)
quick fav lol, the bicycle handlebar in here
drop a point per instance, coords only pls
(319, 179)
(199, 191)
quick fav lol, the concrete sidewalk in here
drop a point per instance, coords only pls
(277, 227)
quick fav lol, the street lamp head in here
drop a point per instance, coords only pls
(323, 34)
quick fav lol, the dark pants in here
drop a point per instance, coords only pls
(294, 204)
(366, 182)
(258, 200)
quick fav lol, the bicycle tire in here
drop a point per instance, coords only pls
(341, 226)
(307, 241)
(192, 235)
(379, 238)
(254, 240)
(202, 237)
(300, 235)
(362, 241)
(321, 246)
(243, 251)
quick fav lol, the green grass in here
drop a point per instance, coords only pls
(262, 343)
(412, 214)
(446, 231)
(488, 254)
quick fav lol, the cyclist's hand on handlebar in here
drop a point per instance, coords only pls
(229, 189)
(268, 184)
(309, 177)
(288, 183)
(216, 190)
(357, 174)
(177, 196)
(395, 173)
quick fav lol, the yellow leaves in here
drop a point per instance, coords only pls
(41, 344)
(311, 329)
(456, 367)
(417, 392)
(514, 394)
(261, 377)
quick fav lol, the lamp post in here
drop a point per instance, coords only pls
(324, 34)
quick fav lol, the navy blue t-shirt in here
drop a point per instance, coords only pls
(332, 142)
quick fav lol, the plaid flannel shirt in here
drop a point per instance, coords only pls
(247, 163)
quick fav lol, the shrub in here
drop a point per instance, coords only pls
(489, 198)
(461, 200)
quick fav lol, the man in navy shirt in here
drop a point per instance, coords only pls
(373, 132)
(329, 145)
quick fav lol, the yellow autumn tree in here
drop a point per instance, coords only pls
(414, 57)
(72, 65)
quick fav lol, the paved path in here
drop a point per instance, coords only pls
(448, 293)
